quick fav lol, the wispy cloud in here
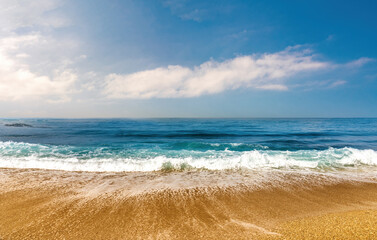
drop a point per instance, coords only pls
(195, 15)
(267, 71)
(359, 62)
(319, 84)
(187, 11)
(337, 83)
(330, 38)
(16, 14)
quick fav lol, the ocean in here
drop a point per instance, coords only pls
(116, 145)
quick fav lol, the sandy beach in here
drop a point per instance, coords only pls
(234, 204)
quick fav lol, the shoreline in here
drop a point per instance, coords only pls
(234, 204)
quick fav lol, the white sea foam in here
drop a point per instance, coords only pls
(24, 155)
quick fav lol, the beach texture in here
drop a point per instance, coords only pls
(234, 204)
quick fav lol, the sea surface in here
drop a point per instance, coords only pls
(166, 144)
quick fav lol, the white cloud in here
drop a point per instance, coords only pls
(18, 82)
(268, 71)
(277, 87)
(25, 32)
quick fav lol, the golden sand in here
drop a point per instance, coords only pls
(344, 225)
(41, 204)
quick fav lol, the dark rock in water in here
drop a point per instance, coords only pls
(18, 125)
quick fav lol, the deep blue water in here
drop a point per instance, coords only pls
(145, 144)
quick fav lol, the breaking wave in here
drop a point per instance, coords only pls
(102, 159)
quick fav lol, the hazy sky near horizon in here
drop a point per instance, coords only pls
(188, 58)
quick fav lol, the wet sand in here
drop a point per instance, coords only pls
(237, 204)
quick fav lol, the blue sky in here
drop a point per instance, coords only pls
(186, 58)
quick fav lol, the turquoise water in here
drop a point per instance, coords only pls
(150, 144)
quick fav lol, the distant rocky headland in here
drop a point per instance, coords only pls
(18, 125)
